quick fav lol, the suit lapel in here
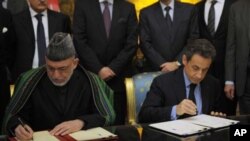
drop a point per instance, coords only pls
(51, 23)
(26, 23)
(202, 18)
(223, 18)
(115, 16)
(97, 15)
(179, 86)
(161, 20)
(178, 14)
(28, 26)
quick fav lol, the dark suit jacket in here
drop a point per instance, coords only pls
(6, 36)
(25, 43)
(154, 33)
(237, 51)
(218, 40)
(168, 90)
(95, 50)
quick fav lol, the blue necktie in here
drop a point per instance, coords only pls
(41, 43)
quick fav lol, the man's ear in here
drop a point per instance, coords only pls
(76, 61)
(184, 59)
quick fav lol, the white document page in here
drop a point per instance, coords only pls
(43, 136)
(94, 133)
(179, 127)
(210, 121)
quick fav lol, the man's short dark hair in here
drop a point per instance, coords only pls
(201, 47)
(60, 47)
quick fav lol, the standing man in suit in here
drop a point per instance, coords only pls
(165, 28)
(237, 63)
(6, 38)
(105, 36)
(187, 90)
(214, 27)
(34, 27)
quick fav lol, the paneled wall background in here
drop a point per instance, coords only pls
(67, 6)
(139, 4)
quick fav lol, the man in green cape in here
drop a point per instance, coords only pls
(61, 96)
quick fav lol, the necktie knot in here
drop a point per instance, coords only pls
(192, 86)
(213, 2)
(167, 9)
(106, 3)
(39, 16)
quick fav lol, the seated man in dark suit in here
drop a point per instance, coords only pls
(186, 91)
(61, 96)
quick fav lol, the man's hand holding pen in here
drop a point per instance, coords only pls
(23, 131)
(186, 106)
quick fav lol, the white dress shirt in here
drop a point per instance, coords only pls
(35, 63)
(111, 2)
(218, 7)
(171, 11)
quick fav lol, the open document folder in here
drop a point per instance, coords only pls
(193, 125)
(93, 134)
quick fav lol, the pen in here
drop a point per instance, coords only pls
(22, 123)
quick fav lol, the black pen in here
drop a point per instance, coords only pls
(22, 123)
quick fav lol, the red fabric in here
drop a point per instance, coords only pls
(54, 5)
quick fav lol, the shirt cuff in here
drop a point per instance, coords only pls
(229, 83)
(177, 63)
(173, 113)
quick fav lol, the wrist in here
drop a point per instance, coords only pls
(177, 63)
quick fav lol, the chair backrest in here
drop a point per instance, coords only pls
(12, 87)
(136, 90)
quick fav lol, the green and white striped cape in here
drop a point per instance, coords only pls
(26, 83)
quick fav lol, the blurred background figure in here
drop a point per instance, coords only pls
(213, 25)
(6, 38)
(34, 27)
(237, 62)
(105, 37)
(165, 28)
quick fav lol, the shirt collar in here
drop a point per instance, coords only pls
(34, 13)
(109, 1)
(171, 4)
(186, 79)
(218, 1)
